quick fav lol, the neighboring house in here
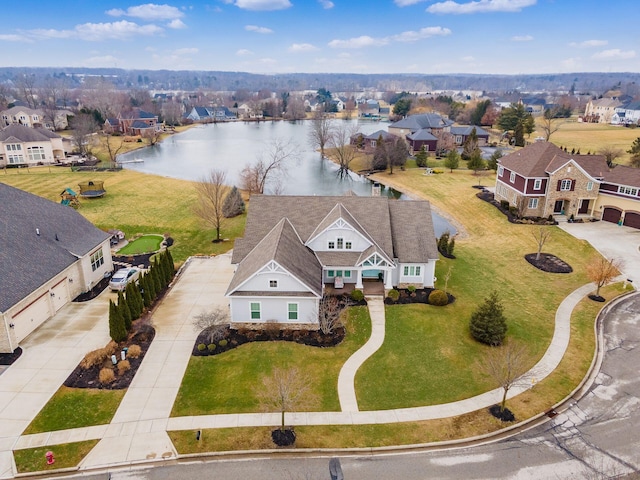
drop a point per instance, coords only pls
(293, 246)
(627, 114)
(131, 123)
(369, 142)
(534, 105)
(22, 145)
(422, 138)
(542, 179)
(35, 118)
(431, 122)
(601, 110)
(369, 109)
(211, 114)
(50, 254)
(460, 134)
(199, 114)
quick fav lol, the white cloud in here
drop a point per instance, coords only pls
(302, 47)
(409, 36)
(186, 51)
(243, 52)
(614, 54)
(15, 38)
(521, 38)
(571, 64)
(257, 29)
(267, 61)
(589, 43)
(480, 6)
(101, 61)
(176, 24)
(101, 31)
(148, 11)
(326, 4)
(262, 4)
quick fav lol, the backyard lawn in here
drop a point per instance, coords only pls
(142, 244)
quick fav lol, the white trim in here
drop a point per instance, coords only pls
(537, 183)
(573, 162)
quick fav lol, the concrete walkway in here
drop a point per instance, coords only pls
(346, 379)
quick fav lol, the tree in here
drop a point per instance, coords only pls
(488, 323)
(476, 162)
(125, 311)
(342, 150)
(112, 145)
(541, 236)
(610, 154)
(452, 160)
(397, 154)
(147, 297)
(511, 116)
(26, 84)
(295, 109)
(329, 314)
(508, 366)
(323, 96)
(479, 112)
(550, 123)
(518, 135)
(492, 163)
(211, 195)
(84, 126)
(214, 322)
(490, 117)
(321, 131)
(402, 106)
(286, 391)
(117, 330)
(635, 153)
(269, 167)
(380, 157)
(233, 204)
(134, 300)
(445, 141)
(602, 271)
(470, 145)
(422, 157)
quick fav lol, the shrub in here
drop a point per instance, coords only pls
(357, 295)
(488, 323)
(211, 347)
(223, 342)
(123, 366)
(504, 204)
(438, 298)
(134, 351)
(513, 210)
(394, 295)
(411, 288)
(106, 375)
(96, 357)
(202, 347)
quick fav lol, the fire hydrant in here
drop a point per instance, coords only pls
(49, 457)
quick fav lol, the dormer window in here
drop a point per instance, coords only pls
(273, 283)
(512, 177)
(537, 184)
(500, 170)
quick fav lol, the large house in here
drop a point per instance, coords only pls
(431, 122)
(50, 254)
(601, 110)
(627, 114)
(21, 145)
(542, 179)
(35, 118)
(133, 122)
(294, 246)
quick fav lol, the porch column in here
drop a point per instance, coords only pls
(388, 281)
(359, 278)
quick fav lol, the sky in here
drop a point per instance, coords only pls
(326, 36)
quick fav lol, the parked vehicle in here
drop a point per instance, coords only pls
(122, 277)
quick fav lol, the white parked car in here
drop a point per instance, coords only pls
(122, 277)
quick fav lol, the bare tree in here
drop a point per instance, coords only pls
(172, 112)
(295, 109)
(83, 125)
(214, 322)
(349, 107)
(541, 236)
(521, 205)
(329, 314)
(286, 391)
(397, 153)
(550, 123)
(26, 84)
(342, 150)
(113, 145)
(508, 366)
(610, 154)
(445, 141)
(602, 271)
(211, 192)
(321, 131)
(269, 168)
(53, 91)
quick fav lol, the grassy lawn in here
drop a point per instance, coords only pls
(143, 244)
(66, 455)
(76, 407)
(135, 203)
(230, 382)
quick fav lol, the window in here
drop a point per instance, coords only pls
(96, 260)
(628, 191)
(292, 310)
(589, 186)
(255, 311)
(36, 153)
(332, 245)
(347, 274)
(459, 139)
(347, 245)
(411, 271)
(417, 271)
(273, 283)
(565, 185)
(537, 184)
(331, 274)
(340, 243)
(500, 170)
(512, 177)
(533, 203)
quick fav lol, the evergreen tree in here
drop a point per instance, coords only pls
(476, 162)
(635, 153)
(125, 311)
(156, 277)
(147, 290)
(492, 163)
(134, 300)
(488, 323)
(117, 330)
(233, 204)
(516, 113)
(518, 134)
(470, 145)
(169, 266)
(452, 160)
(422, 157)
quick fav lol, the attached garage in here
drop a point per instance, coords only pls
(611, 214)
(31, 316)
(632, 219)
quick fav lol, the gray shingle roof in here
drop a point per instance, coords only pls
(28, 260)
(467, 129)
(23, 133)
(423, 120)
(422, 134)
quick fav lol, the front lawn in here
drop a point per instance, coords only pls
(67, 455)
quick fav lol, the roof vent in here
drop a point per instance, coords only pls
(38, 231)
(57, 239)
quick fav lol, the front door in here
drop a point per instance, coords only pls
(558, 207)
(584, 206)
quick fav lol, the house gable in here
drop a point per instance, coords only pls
(271, 279)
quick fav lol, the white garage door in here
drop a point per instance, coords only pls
(60, 294)
(31, 317)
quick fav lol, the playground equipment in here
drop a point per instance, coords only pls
(92, 189)
(70, 198)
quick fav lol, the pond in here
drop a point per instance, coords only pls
(232, 146)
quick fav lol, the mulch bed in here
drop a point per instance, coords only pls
(135, 260)
(283, 438)
(95, 291)
(142, 335)
(421, 295)
(505, 415)
(488, 197)
(597, 298)
(9, 358)
(548, 263)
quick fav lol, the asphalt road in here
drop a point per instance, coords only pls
(597, 437)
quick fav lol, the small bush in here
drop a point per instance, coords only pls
(223, 342)
(513, 210)
(106, 376)
(202, 347)
(96, 357)
(123, 366)
(211, 347)
(411, 288)
(394, 295)
(134, 351)
(504, 204)
(438, 298)
(357, 295)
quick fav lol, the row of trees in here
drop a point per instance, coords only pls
(136, 298)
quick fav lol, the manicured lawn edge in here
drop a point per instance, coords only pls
(67, 457)
(132, 249)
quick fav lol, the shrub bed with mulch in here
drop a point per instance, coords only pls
(421, 295)
(488, 197)
(9, 358)
(548, 263)
(95, 291)
(143, 259)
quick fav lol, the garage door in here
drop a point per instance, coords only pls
(611, 215)
(31, 317)
(60, 294)
(632, 219)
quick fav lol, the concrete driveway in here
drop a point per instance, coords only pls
(612, 241)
